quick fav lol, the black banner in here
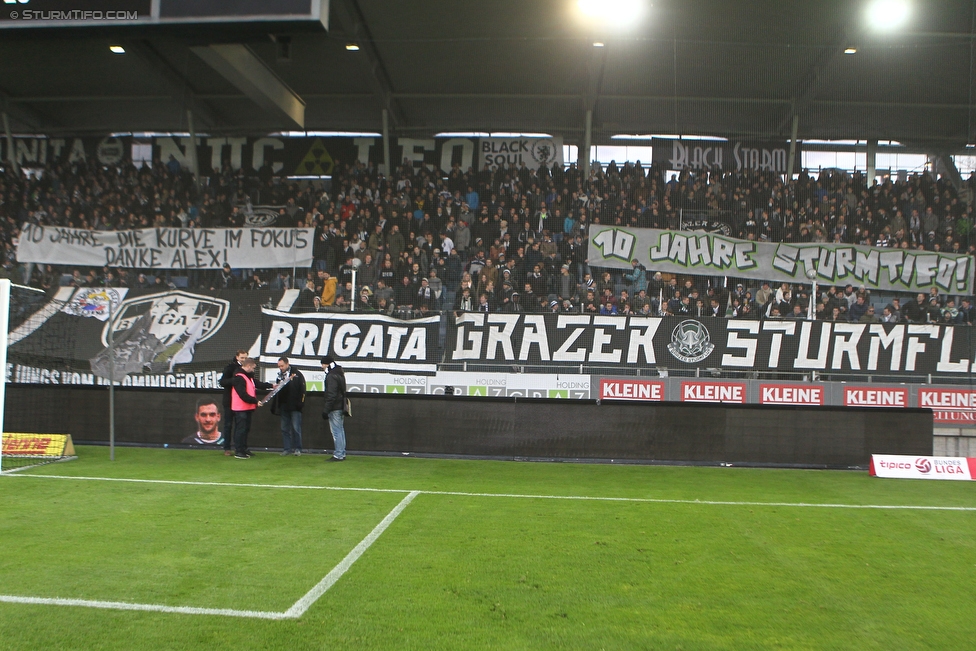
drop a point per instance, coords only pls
(317, 155)
(180, 338)
(571, 340)
(289, 155)
(728, 156)
(515, 429)
(38, 152)
(361, 342)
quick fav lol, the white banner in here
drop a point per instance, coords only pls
(168, 248)
(534, 152)
(906, 467)
(485, 385)
(511, 385)
(832, 264)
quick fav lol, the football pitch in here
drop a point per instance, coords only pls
(191, 550)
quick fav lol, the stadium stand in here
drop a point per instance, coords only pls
(508, 233)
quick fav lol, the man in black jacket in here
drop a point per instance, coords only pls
(288, 404)
(334, 408)
(226, 379)
(916, 311)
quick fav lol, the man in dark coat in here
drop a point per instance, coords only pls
(226, 380)
(916, 311)
(334, 408)
(288, 403)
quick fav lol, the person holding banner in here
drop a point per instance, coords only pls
(287, 401)
(243, 402)
(334, 409)
(226, 381)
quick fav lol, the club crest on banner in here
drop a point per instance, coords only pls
(111, 151)
(706, 225)
(690, 342)
(96, 302)
(544, 152)
(171, 315)
(260, 216)
(154, 333)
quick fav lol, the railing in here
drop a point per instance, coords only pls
(663, 371)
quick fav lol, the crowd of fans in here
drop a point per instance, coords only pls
(509, 239)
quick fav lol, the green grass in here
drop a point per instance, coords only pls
(471, 572)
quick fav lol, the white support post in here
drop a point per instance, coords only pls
(352, 298)
(111, 386)
(872, 163)
(4, 327)
(812, 307)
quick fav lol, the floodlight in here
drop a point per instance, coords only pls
(850, 50)
(597, 44)
(656, 136)
(886, 15)
(493, 134)
(326, 134)
(620, 13)
(352, 47)
(116, 49)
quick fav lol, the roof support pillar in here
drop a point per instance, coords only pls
(386, 143)
(11, 154)
(792, 161)
(584, 152)
(945, 166)
(872, 161)
(252, 76)
(192, 148)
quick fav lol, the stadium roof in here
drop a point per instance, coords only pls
(720, 67)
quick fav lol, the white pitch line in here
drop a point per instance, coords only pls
(652, 500)
(296, 611)
(303, 604)
(155, 608)
(583, 498)
(220, 483)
